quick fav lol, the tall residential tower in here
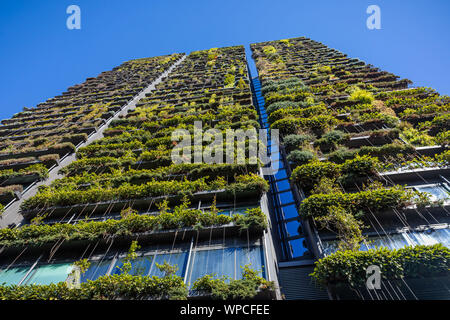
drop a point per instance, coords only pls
(130, 185)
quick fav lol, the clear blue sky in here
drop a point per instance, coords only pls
(40, 57)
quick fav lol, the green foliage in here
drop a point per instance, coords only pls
(324, 69)
(345, 225)
(300, 157)
(288, 105)
(360, 166)
(116, 177)
(417, 138)
(316, 124)
(48, 197)
(386, 151)
(229, 80)
(272, 54)
(326, 186)
(341, 155)
(114, 287)
(440, 123)
(361, 96)
(131, 255)
(377, 200)
(410, 263)
(241, 84)
(82, 264)
(296, 96)
(253, 219)
(227, 289)
(269, 50)
(402, 93)
(308, 175)
(443, 138)
(330, 140)
(444, 158)
(284, 85)
(38, 169)
(379, 117)
(383, 153)
(167, 269)
(297, 112)
(180, 217)
(296, 141)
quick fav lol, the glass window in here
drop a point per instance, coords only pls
(442, 236)
(178, 259)
(290, 212)
(276, 156)
(139, 266)
(438, 192)
(225, 212)
(400, 240)
(252, 256)
(292, 228)
(13, 275)
(297, 247)
(225, 262)
(286, 197)
(237, 210)
(281, 174)
(218, 262)
(242, 210)
(276, 164)
(50, 273)
(96, 270)
(395, 241)
(283, 185)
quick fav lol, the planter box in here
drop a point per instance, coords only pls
(430, 151)
(25, 179)
(405, 176)
(100, 208)
(123, 241)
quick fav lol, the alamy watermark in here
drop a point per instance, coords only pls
(239, 147)
(73, 22)
(373, 274)
(374, 20)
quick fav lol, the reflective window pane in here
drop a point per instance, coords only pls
(50, 273)
(285, 197)
(281, 174)
(398, 241)
(139, 266)
(292, 228)
(219, 262)
(253, 257)
(178, 259)
(437, 192)
(13, 275)
(297, 248)
(96, 270)
(290, 212)
(283, 185)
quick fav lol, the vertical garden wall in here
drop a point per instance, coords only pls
(185, 223)
(34, 140)
(369, 157)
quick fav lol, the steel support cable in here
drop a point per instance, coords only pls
(422, 178)
(373, 226)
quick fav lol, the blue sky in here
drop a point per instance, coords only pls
(40, 57)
